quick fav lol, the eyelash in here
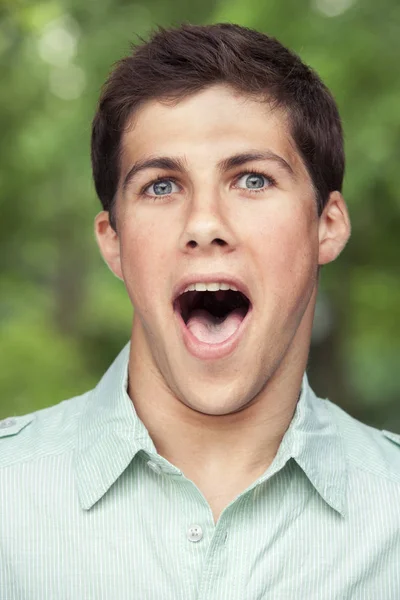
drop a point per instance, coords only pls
(270, 179)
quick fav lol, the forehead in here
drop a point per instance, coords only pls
(213, 123)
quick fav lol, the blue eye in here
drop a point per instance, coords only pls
(252, 181)
(162, 187)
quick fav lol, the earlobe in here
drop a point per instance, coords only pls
(108, 242)
(334, 228)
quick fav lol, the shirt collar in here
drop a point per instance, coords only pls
(314, 441)
(111, 434)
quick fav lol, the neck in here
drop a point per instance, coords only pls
(239, 443)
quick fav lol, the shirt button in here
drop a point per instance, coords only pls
(154, 467)
(195, 533)
(7, 423)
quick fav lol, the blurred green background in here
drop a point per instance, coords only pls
(63, 316)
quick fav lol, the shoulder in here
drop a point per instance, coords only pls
(367, 448)
(48, 431)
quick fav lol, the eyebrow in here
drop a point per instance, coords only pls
(168, 163)
(240, 159)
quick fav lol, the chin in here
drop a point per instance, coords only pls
(218, 397)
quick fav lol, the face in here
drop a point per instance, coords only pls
(214, 196)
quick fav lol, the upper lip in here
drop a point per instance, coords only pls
(210, 278)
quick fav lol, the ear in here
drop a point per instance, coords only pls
(333, 229)
(108, 242)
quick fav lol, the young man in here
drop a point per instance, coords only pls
(202, 466)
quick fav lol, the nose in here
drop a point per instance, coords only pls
(207, 227)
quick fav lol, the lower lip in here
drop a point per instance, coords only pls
(206, 351)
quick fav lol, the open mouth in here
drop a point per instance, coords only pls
(212, 317)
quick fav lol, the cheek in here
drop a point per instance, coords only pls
(287, 245)
(144, 261)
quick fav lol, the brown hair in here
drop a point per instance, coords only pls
(175, 63)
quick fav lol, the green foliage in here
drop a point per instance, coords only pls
(63, 316)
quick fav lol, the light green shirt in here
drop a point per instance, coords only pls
(89, 510)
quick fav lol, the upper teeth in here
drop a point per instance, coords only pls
(209, 287)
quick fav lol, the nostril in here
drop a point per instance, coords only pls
(217, 241)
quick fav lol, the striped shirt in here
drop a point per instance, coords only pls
(89, 510)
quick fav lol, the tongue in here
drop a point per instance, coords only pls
(214, 330)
